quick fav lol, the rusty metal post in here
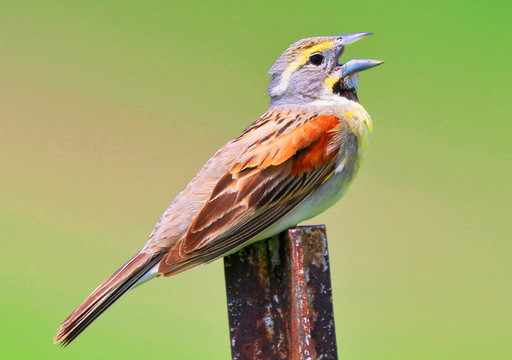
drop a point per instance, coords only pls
(279, 298)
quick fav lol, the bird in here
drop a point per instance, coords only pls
(291, 164)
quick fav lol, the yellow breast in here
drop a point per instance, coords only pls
(360, 123)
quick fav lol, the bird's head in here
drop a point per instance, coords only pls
(311, 68)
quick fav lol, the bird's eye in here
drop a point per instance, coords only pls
(316, 59)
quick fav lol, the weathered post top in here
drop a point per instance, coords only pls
(279, 298)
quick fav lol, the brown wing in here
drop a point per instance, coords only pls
(269, 179)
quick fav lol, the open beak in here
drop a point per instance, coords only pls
(355, 65)
(348, 39)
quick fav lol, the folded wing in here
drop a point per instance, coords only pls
(267, 181)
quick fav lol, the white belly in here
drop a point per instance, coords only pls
(319, 201)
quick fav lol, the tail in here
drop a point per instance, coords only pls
(105, 295)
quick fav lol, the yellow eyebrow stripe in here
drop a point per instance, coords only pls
(318, 47)
(303, 57)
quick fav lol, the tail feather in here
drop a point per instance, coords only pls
(105, 295)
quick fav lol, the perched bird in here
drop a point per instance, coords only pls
(291, 164)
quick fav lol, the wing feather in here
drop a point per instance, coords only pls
(265, 183)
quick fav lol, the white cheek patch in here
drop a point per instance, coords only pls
(284, 81)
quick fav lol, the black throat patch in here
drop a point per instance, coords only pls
(341, 89)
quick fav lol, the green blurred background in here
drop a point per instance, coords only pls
(109, 108)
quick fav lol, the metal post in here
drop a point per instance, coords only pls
(279, 298)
